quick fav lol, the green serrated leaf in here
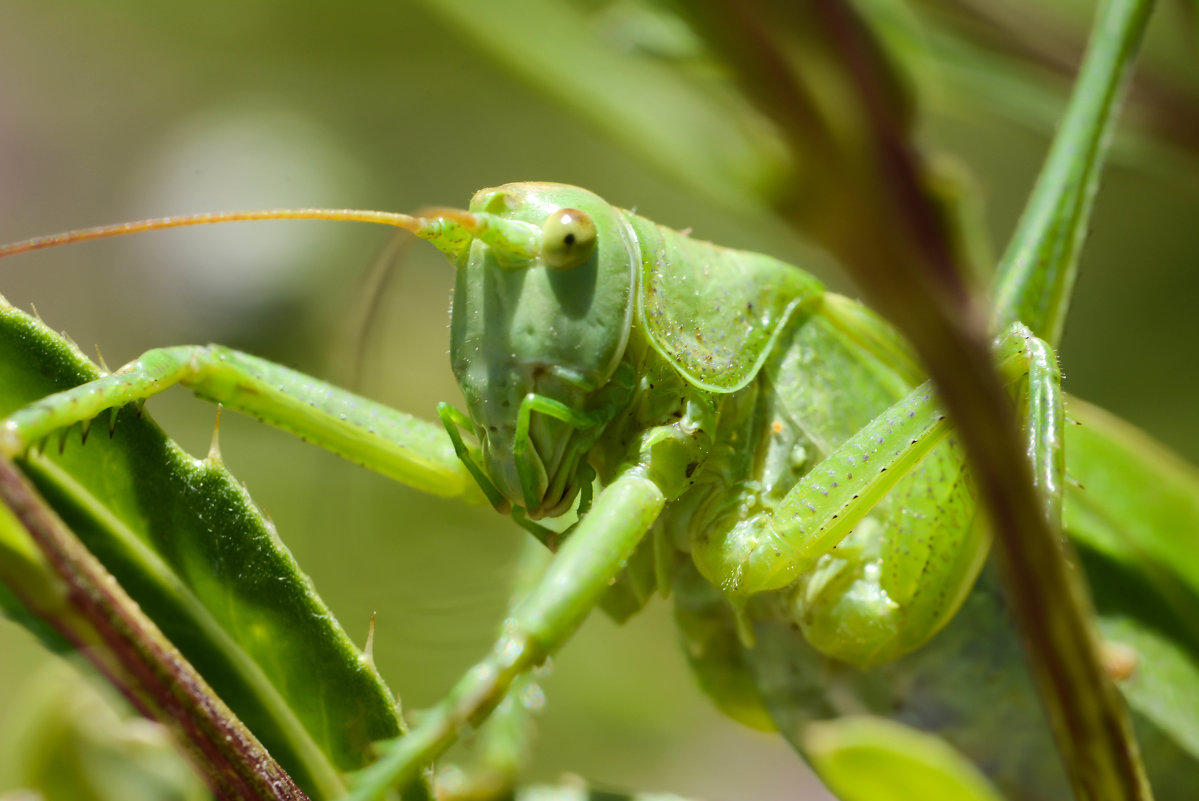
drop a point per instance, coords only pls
(184, 539)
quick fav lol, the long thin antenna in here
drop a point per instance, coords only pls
(443, 230)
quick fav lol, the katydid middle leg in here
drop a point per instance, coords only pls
(572, 585)
(884, 535)
(500, 749)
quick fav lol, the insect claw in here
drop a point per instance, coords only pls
(62, 441)
(86, 425)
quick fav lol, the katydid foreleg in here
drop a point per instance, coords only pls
(395, 444)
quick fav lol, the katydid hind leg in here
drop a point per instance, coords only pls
(895, 545)
(884, 535)
(396, 444)
(901, 583)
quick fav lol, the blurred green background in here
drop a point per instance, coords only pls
(123, 109)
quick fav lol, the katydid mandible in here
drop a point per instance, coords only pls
(764, 448)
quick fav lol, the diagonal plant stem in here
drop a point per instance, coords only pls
(1049, 601)
(58, 580)
(905, 256)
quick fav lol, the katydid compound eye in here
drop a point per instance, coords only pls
(568, 239)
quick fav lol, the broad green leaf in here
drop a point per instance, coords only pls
(872, 759)
(1132, 508)
(1132, 499)
(184, 539)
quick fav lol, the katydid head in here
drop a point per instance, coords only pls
(542, 309)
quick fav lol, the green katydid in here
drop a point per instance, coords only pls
(785, 451)
(814, 383)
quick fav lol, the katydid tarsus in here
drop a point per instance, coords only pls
(786, 449)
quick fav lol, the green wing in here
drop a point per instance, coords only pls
(713, 312)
